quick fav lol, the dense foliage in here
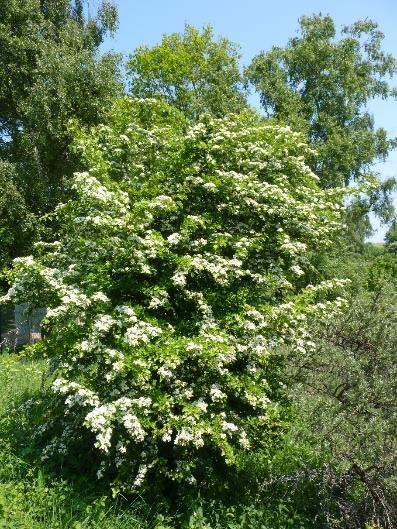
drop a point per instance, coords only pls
(50, 72)
(391, 237)
(18, 226)
(180, 264)
(321, 85)
(344, 391)
(192, 71)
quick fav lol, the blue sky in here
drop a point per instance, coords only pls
(256, 25)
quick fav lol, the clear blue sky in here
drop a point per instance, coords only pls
(257, 25)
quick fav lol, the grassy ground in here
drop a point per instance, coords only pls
(29, 499)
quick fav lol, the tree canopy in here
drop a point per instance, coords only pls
(320, 83)
(192, 71)
(50, 72)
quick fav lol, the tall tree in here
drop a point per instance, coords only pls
(321, 84)
(50, 72)
(17, 226)
(192, 71)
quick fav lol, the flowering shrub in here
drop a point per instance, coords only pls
(181, 262)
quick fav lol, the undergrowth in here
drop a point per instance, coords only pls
(34, 495)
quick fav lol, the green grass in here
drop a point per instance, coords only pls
(30, 499)
(19, 378)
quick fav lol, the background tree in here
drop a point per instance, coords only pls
(18, 226)
(50, 72)
(391, 237)
(192, 71)
(321, 84)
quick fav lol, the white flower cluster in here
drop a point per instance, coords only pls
(141, 332)
(188, 435)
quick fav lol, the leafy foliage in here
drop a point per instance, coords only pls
(17, 228)
(191, 71)
(180, 264)
(391, 237)
(345, 397)
(50, 72)
(321, 86)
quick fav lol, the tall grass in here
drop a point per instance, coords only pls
(30, 499)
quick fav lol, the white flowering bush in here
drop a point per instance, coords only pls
(181, 262)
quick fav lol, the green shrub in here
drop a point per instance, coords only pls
(345, 403)
(181, 263)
